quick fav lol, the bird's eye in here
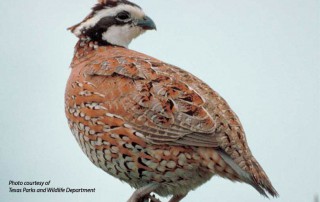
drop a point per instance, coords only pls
(123, 16)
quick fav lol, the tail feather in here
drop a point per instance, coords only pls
(253, 175)
(261, 179)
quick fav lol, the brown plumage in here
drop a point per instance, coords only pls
(151, 124)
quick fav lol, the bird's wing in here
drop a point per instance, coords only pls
(163, 107)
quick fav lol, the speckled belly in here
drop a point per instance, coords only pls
(176, 169)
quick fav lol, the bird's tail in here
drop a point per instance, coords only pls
(261, 180)
(252, 173)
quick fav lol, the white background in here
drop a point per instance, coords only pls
(261, 56)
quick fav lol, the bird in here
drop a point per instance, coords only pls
(148, 123)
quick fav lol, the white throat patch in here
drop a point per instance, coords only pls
(122, 35)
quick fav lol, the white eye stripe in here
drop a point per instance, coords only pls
(91, 22)
(135, 11)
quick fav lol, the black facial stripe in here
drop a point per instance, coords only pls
(95, 33)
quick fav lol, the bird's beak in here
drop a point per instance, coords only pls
(146, 23)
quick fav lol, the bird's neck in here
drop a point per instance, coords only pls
(84, 48)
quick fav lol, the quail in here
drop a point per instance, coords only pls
(148, 123)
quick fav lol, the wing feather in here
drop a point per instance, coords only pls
(165, 108)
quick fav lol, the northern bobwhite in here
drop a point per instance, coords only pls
(146, 122)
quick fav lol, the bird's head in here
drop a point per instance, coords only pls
(114, 22)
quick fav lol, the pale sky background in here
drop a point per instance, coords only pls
(261, 56)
